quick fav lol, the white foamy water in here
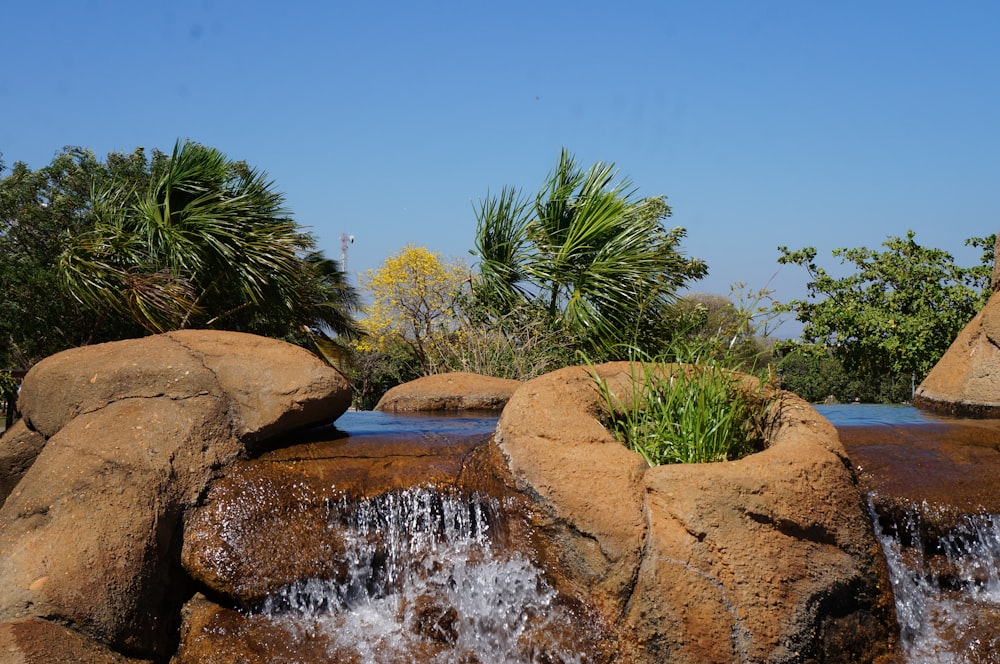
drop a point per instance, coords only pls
(425, 582)
(948, 607)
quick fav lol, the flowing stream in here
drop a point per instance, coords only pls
(426, 578)
(941, 543)
(429, 575)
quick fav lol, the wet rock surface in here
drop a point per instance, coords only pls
(230, 542)
(932, 488)
(354, 504)
(951, 463)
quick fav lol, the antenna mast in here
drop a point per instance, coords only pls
(345, 240)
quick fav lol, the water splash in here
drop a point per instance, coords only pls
(423, 581)
(946, 585)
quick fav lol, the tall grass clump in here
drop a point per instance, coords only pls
(685, 413)
(694, 401)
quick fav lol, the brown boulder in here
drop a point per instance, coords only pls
(19, 446)
(965, 382)
(449, 392)
(768, 558)
(268, 386)
(91, 535)
(36, 641)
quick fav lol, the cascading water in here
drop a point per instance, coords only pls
(425, 582)
(946, 587)
(943, 549)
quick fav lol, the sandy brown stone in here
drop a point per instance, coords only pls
(449, 392)
(19, 447)
(769, 558)
(91, 535)
(36, 641)
(965, 382)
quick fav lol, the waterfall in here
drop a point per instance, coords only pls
(425, 581)
(946, 584)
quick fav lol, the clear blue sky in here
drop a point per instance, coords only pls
(821, 124)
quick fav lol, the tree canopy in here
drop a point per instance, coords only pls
(414, 295)
(96, 251)
(897, 312)
(596, 260)
(39, 209)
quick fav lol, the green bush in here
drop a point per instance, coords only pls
(686, 413)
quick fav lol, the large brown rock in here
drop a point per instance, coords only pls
(449, 392)
(36, 641)
(91, 535)
(267, 386)
(769, 558)
(965, 382)
(20, 447)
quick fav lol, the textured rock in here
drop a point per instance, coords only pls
(217, 635)
(213, 634)
(267, 386)
(36, 641)
(966, 380)
(769, 558)
(91, 535)
(449, 392)
(19, 447)
(229, 542)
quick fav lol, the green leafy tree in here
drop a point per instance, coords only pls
(595, 259)
(896, 313)
(39, 210)
(818, 376)
(206, 243)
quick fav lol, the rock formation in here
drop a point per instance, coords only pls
(966, 380)
(449, 392)
(125, 437)
(769, 558)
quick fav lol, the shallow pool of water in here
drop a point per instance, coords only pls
(866, 414)
(371, 422)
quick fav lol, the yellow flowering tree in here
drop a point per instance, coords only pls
(413, 304)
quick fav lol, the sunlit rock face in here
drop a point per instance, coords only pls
(449, 392)
(966, 380)
(768, 558)
(133, 432)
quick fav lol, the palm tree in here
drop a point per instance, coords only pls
(596, 260)
(207, 244)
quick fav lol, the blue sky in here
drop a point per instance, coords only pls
(820, 124)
